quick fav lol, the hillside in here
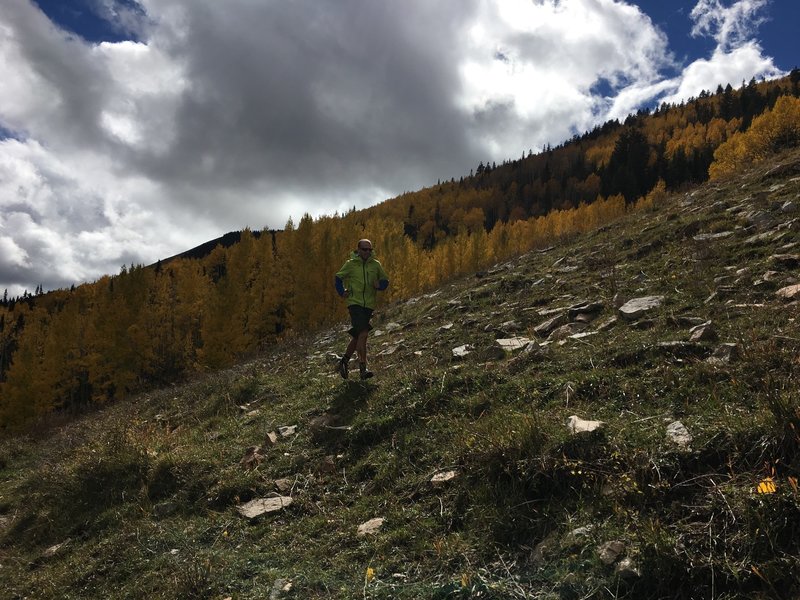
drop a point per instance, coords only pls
(219, 303)
(460, 444)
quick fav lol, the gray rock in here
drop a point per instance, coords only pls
(287, 430)
(724, 354)
(462, 351)
(284, 485)
(791, 292)
(677, 433)
(371, 527)
(705, 237)
(544, 329)
(586, 310)
(577, 536)
(627, 569)
(785, 261)
(280, 589)
(703, 333)
(262, 506)
(512, 344)
(442, 478)
(636, 308)
(789, 206)
(576, 425)
(609, 552)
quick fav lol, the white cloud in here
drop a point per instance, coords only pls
(536, 63)
(730, 26)
(737, 57)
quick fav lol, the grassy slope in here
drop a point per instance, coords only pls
(690, 519)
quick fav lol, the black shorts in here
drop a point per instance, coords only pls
(359, 317)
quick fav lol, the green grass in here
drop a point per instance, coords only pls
(142, 496)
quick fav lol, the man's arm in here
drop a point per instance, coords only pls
(339, 284)
(383, 280)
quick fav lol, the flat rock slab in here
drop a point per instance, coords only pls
(635, 308)
(443, 478)
(371, 527)
(462, 351)
(791, 292)
(511, 344)
(263, 506)
(577, 425)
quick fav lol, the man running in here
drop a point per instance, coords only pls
(359, 280)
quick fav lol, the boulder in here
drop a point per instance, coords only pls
(637, 307)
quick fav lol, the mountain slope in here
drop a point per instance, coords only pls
(144, 499)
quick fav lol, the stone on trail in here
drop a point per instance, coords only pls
(262, 506)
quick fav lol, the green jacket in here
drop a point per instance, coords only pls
(358, 278)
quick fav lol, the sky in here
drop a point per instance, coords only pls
(132, 130)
